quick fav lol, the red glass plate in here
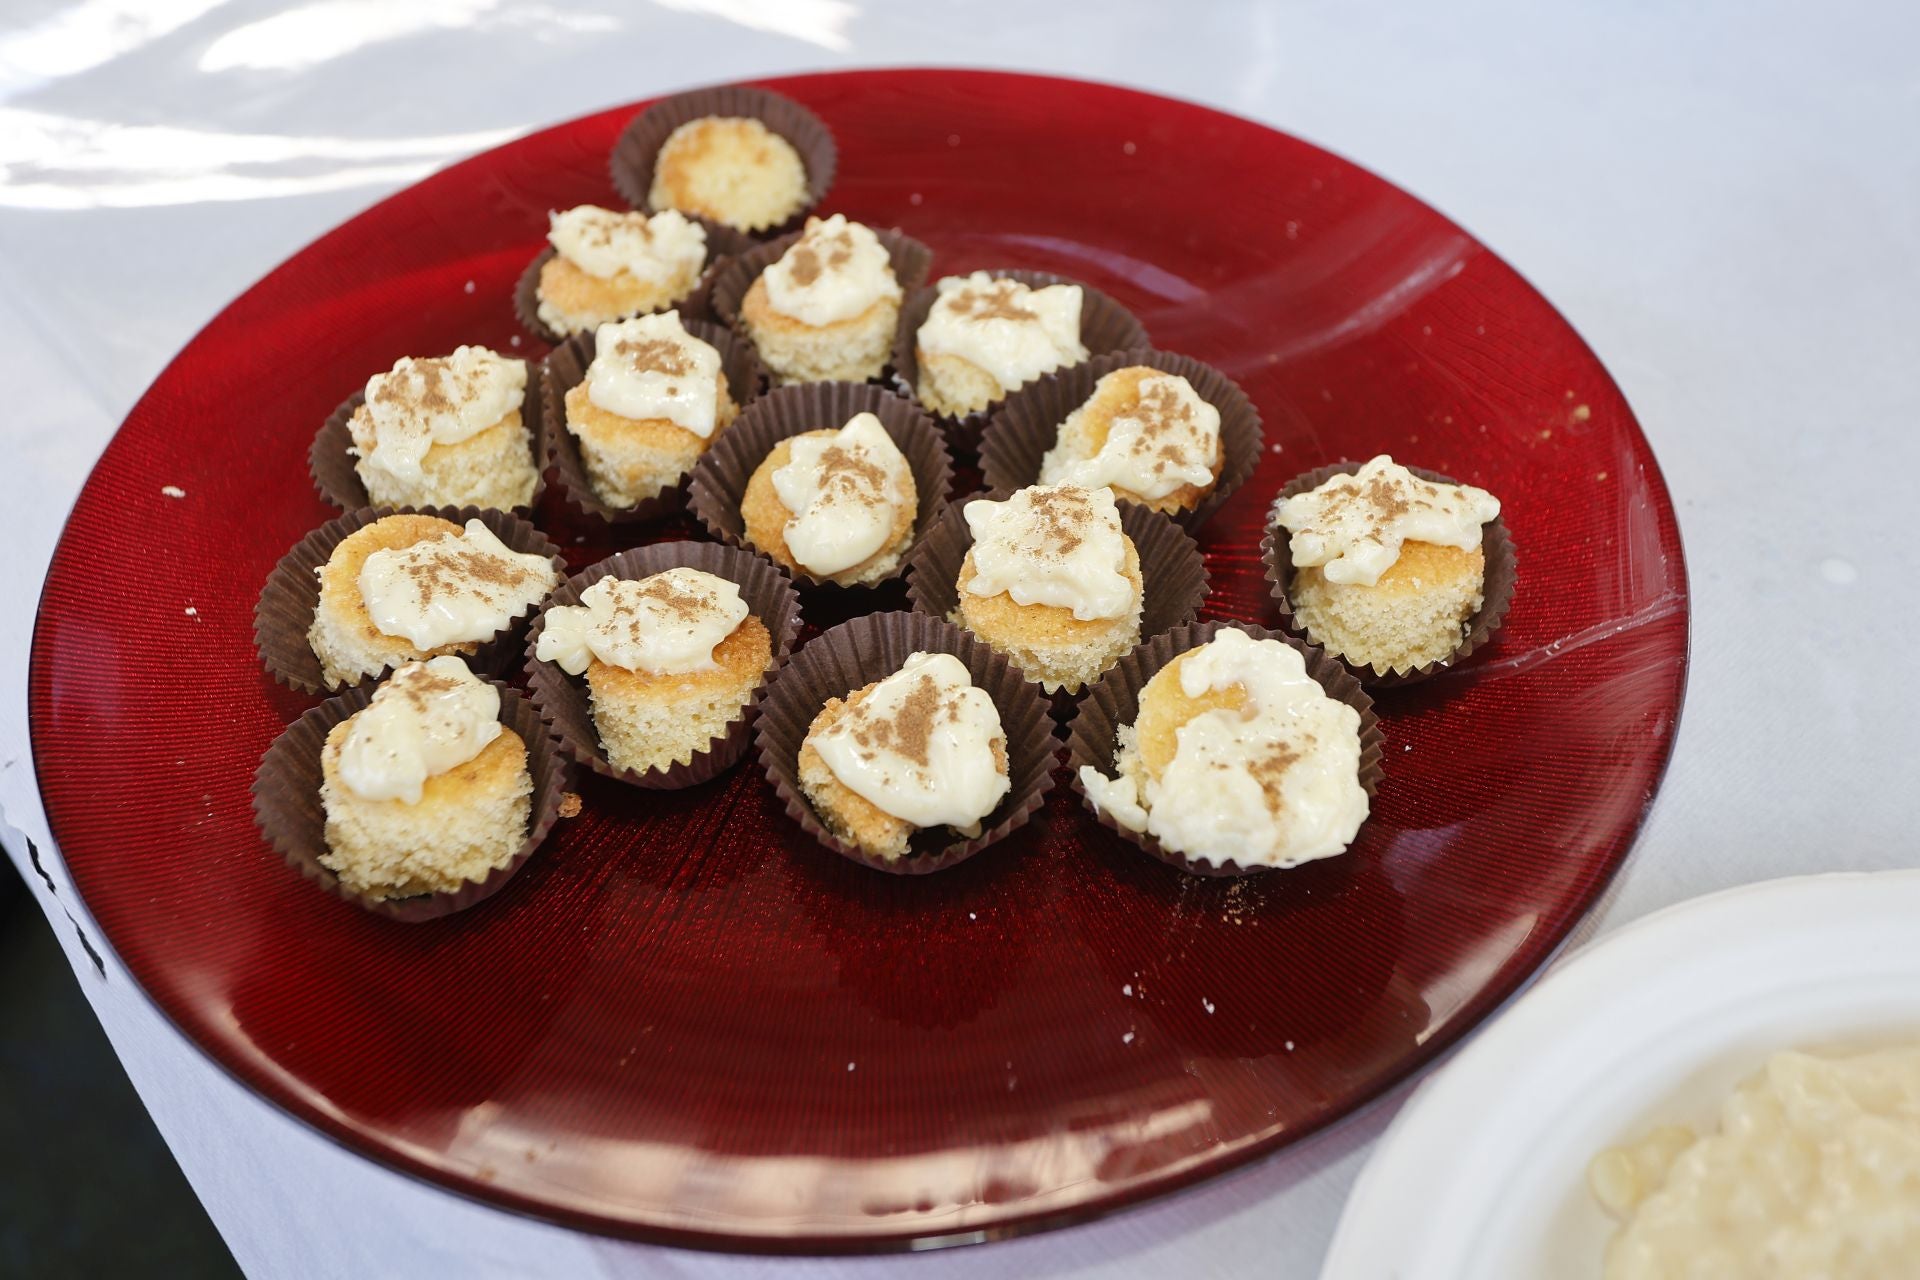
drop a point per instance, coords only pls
(685, 1022)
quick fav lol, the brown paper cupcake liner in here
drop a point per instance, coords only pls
(331, 465)
(565, 702)
(911, 261)
(1093, 735)
(1502, 572)
(566, 368)
(1172, 572)
(870, 648)
(639, 144)
(284, 612)
(287, 807)
(720, 481)
(1025, 425)
(1105, 326)
(694, 305)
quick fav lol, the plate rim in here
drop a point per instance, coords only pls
(1473, 1016)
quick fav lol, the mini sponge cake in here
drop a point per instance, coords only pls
(920, 749)
(654, 399)
(446, 432)
(608, 265)
(732, 169)
(344, 635)
(408, 587)
(1166, 454)
(856, 503)
(826, 311)
(671, 660)
(985, 336)
(1237, 755)
(1053, 583)
(469, 814)
(1388, 568)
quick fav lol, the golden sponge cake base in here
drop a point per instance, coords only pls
(650, 721)
(571, 300)
(491, 468)
(1048, 644)
(629, 460)
(469, 821)
(1415, 613)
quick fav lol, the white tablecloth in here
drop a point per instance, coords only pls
(1724, 197)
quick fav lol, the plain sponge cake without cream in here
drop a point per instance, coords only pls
(407, 587)
(1388, 568)
(446, 432)
(732, 169)
(424, 789)
(671, 660)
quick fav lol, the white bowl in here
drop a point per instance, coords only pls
(1483, 1174)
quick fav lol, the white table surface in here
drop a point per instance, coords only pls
(1723, 197)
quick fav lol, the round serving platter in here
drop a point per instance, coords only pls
(687, 1022)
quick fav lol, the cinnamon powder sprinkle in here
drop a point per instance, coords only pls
(909, 733)
(654, 355)
(993, 302)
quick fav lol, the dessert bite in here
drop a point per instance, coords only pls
(732, 169)
(985, 337)
(1387, 568)
(921, 748)
(408, 587)
(1237, 755)
(670, 660)
(446, 432)
(1144, 434)
(839, 505)
(827, 310)
(653, 400)
(609, 265)
(424, 789)
(1052, 582)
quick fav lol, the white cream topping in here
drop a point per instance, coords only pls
(844, 491)
(920, 746)
(452, 589)
(835, 271)
(654, 250)
(427, 718)
(1167, 439)
(1013, 332)
(651, 367)
(1058, 545)
(1273, 783)
(667, 624)
(1352, 527)
(443, 400)
(1814, 1174)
